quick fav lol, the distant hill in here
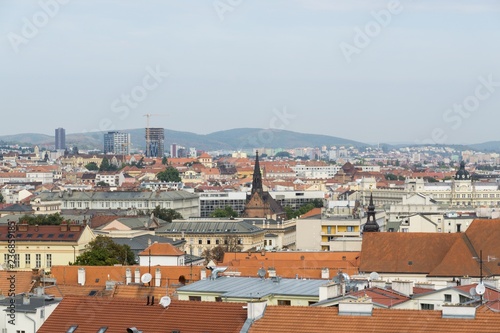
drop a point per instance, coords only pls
(490, 146)
(234, 139)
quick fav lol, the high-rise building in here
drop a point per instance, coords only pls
(117, 143)
(173, 150)
(155, 138)
(60, 142)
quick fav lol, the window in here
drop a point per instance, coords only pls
(217, 241)
(27, 260)
(38, 260)
(208, 241)
(16, 260)
(447, 298)
(425, 306)
(200, 241)
(195, 298)
(49, 260)
(284, 302)
(350, 228)
(218, 299)
(329, 229)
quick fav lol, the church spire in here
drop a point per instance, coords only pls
(371, 224)
(257, 176)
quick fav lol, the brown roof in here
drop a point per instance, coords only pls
(402, 252)
(435, 254)
(293, 319)
(44, 233)
(92, 313)
(161, 249)
(24, 281)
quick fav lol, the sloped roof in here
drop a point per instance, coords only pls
(404, 252)
(118, 314)
(296, 319)
(162, 249)
(46, 233)
(24, 281)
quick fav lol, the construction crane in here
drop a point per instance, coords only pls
(148, 134)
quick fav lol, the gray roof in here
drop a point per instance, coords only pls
(244, 287)
(118, 195)
(35, 303)
(140, 243)
(134, 222)
(210, 227)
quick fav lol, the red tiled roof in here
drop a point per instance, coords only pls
(92, 313)
(162, 249)
(44, 233)
(296, 319)
(24, 281)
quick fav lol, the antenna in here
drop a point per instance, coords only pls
(261, 273)
(165, 301)
(146, 278)
(480, 289)
(374, 276)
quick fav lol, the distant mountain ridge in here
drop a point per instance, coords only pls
(233, 139)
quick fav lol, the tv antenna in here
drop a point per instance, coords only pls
(261, 273)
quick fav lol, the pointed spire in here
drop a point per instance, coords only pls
(257, 176)
(371, 224)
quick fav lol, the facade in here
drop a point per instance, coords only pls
(117, 143)
(183, 202)
(155, 142)
(112, 178)
(45, 245)
(162, 254)
(60, 140)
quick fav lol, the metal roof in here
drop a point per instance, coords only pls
(245, 287)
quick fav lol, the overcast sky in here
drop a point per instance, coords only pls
(367, 70)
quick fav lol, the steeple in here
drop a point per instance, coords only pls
(371, 224)
(257, 176)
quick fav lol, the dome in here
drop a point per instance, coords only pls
(462, 174)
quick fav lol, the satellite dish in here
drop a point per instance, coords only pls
(480, 289)
(472, 291)
(261, 273)
(146, 278)
(165, 301)
(374, 276)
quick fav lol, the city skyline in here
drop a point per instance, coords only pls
(370, 71)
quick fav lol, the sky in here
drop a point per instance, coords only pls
(419, 71)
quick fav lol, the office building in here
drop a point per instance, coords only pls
(60, 141)
(117, 143)
(155, 138)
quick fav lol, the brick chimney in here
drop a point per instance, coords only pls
(64, 226)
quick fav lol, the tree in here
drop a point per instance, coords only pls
(282, 154)
(318, 203)
(166, 214)
(51, 219)
(224, 212)
(170, 174)
(104, 165)
(92, 166)
(102, 184)
(102, 251)
(1, 198)
(164, 160)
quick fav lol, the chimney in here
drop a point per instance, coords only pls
(255, 310)
(377, 284)
(363, 306)
(158, 277)
(325, 273)
(465, 280)
(64, 226)
(22, 226)
(137, 276)
(458, 311)
(128, 276)
(203, 274)
(403, 287)
(74, 227)
(329, 290)
(81, 276)
(271, 271)
(425, 285)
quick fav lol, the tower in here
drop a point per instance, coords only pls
(155, 138)
(60, 141)
(117, 143)
(371, 224)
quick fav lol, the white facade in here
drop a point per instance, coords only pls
(162, 260)
(321, 172)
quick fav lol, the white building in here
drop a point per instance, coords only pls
(162, 254)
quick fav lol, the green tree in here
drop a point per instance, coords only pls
(164, 160)
(1, 198)
(102, 251)
(166, 214)
(318, 203)
(170, 174)
(104, 165)
(102, 184)
(51, 219)
(390, 176)
(224, 212)
(282, 154)
(92, 166)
